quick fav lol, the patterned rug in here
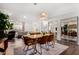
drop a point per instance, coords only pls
(57, 50)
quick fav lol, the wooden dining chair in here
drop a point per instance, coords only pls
(42, 41)
(3, 50)
(51, 40)
(29, 42)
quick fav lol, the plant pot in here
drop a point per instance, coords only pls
(2, 35)
(1, 40)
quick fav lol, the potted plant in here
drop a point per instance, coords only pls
(4, 24)
(65, 29)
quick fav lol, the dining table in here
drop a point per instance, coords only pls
(36, 37)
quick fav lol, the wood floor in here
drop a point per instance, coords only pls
(73, 47)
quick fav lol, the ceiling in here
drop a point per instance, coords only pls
(31, 11)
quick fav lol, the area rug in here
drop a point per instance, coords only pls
(57, 50)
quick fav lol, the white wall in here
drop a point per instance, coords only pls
(78, 32)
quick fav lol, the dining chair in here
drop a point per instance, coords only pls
(3, 50)
(43, 41)
(29, 42)
(51, 40)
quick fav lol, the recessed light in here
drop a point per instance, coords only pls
(24, 17)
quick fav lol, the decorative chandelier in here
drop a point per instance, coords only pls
(43, 15)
